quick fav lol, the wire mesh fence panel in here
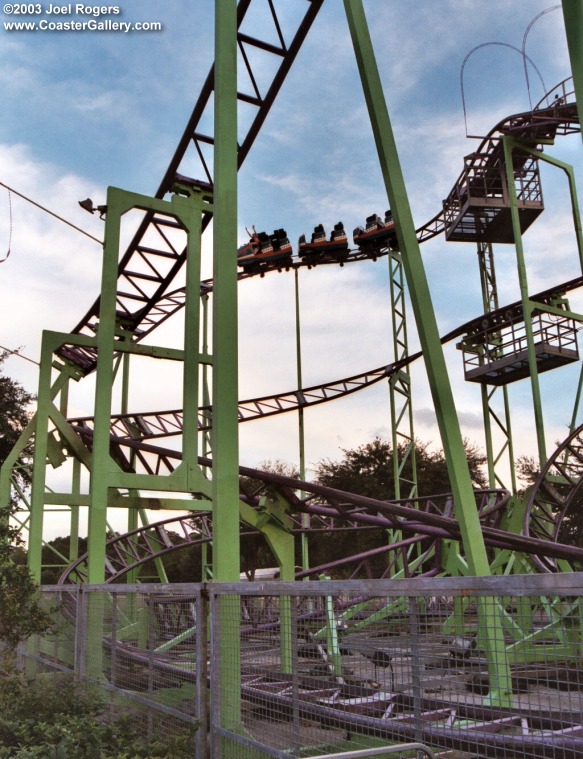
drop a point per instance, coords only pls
(141, 645)
(470, 667)
(467, 667)
(56, 651)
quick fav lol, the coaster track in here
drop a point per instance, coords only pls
(160, 424)
(556, 491)
(420, 520)
(152, 261)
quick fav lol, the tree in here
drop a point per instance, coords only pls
(14, 411)
(21, 614)
(368, 470)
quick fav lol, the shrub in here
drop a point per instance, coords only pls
(55, 718)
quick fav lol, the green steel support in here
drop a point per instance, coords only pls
(132, 514)
(186, 206)
(206, 396)
(192, 357)
(419, 292)
(575, 414)
(117, 205)
(568, 169)
(509, 146)
(44, 405)
(301, 434)
(403, 435)
(573, 17)
(74, 533)
(527, 307)
(465, 506)
(501, 421)
(225, 435)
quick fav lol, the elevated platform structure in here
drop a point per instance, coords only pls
(478, 206)
(499, 355)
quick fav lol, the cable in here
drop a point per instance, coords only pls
(38, 205)
(17, 353)
(10, 228)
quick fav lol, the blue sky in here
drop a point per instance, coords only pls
(82, 111)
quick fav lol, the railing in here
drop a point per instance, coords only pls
(404, 748)
(490, 347)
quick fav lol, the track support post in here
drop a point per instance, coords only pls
(465, 505)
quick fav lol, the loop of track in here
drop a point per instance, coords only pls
(555, 492)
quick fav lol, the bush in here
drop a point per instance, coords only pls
(56, 718)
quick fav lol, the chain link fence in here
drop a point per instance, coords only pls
(458, 667)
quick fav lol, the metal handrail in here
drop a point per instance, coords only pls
(368, 752)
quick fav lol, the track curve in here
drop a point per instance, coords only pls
(421, 519)
(160, 424)
(557, 491)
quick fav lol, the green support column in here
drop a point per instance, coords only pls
(419, 292)
(573, 16)
(37, 500)
(501, 420)
(101, 464)
(527, 307)
(192, 356)
(403, 435)
(301, 434)
(225, 436)
(459, 475)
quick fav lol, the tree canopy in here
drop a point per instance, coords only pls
(14, 410)
(368, 469)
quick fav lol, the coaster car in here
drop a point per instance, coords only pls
(263, 249)
(376, 234)
(322, 249)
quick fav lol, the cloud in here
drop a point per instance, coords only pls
(53, 271)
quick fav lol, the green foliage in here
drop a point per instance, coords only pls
(368, 470)
(14, 413)
(59, 719)
(21, 614)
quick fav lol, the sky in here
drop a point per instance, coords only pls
(85, 110)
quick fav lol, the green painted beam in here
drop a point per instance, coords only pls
(573, 17)
(451, 437)
(225, 434)
(440, 386)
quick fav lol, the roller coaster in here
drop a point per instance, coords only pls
(495, 199)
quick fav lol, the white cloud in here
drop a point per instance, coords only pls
(53, 271)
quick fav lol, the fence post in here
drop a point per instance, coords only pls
(202, 620)
(81, 633)
(416, 667)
